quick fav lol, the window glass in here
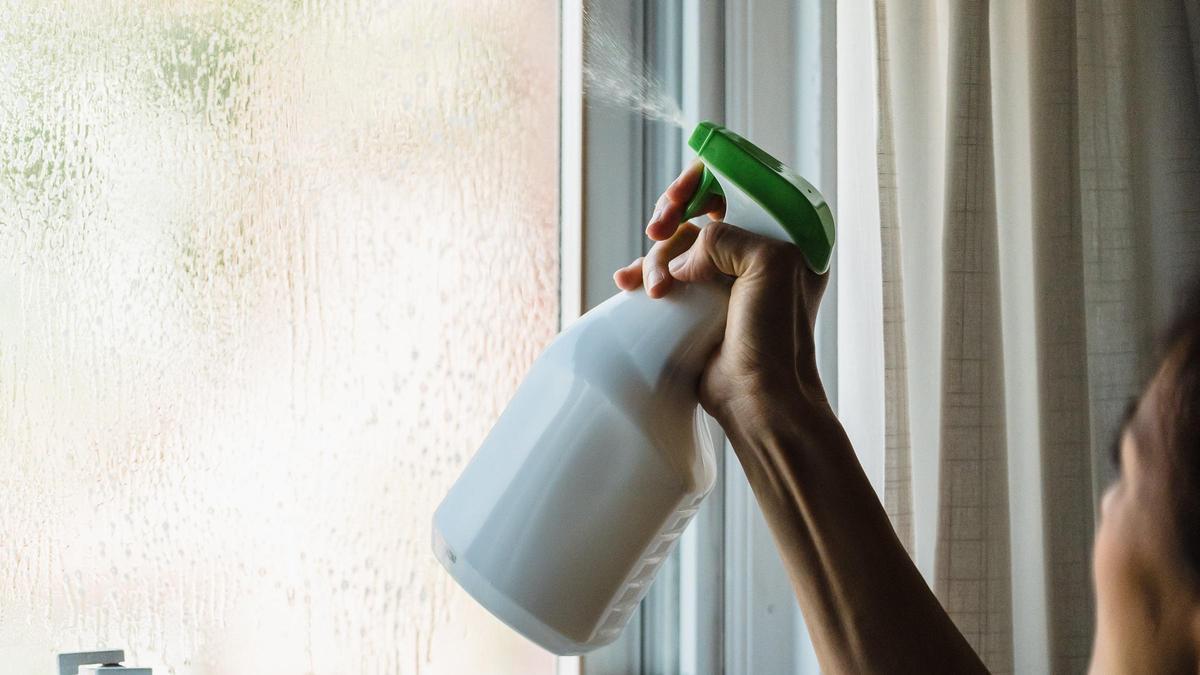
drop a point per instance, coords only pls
(269, 270)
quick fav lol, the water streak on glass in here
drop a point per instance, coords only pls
(268, 272)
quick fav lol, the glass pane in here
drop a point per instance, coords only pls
(268, 272)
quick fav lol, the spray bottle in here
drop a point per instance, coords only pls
(581, 489)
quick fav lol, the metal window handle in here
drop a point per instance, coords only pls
(107, 662)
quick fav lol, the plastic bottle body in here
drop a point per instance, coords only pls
(596, 466)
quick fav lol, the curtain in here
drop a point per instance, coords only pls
(1040, 162)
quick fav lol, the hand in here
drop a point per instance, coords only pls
(768, 354)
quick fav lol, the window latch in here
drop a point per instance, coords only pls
(107, 662)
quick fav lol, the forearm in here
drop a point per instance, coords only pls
(865, 603)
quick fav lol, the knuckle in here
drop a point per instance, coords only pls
(713, 234)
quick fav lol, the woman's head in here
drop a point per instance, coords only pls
(1147, 557)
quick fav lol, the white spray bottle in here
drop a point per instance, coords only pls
(581, 490)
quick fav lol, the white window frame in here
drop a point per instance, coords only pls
(725, 604)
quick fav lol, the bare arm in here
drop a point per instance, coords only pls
(865, 603)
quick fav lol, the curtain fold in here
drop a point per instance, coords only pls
(973, 571)
(897, 488)
(1061, 338)
(1114, 221)
(1115, 237)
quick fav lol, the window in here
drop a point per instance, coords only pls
(249, 251)
(271, 269)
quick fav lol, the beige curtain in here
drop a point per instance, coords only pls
(1069, 181)
(897, 490)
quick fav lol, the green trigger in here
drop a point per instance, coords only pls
(708, 188)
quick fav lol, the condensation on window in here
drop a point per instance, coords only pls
(268, 272)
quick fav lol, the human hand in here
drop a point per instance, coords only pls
(768, 354)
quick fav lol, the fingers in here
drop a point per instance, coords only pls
(669, 210)
(651, 270)
(715, 207)
(722, 248)
(629, 277)
(655, 276)
(671, 233)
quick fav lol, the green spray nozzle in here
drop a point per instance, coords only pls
(792, 201)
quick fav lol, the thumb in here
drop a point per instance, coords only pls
(722, 248)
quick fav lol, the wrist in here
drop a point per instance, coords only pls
(776, 411)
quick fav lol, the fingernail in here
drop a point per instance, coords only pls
(656, 277)
(676, 263)
(654, 216)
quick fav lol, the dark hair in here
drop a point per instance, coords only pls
(1180, 422)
